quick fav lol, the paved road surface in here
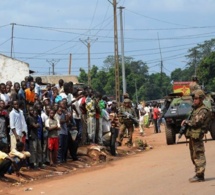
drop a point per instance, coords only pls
(163, 170)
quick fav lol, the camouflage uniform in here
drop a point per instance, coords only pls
(198, 124)
(125, 123)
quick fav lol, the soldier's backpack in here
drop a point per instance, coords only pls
(207, 123)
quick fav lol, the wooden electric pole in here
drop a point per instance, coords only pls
(11, 48)
(161, 74)
(122, 52)
(88, 42)
(70, 63)
(116, 55)
(53, 62)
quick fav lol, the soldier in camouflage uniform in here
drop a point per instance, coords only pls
(125, 122)
(197, 126)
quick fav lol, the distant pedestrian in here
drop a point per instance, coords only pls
(155, 117)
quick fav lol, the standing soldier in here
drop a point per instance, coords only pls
(197, 126)
(126, 122)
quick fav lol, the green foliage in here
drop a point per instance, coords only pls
(154, 86)
(82, 76)
(206, 71)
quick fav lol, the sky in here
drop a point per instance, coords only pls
(46, 32)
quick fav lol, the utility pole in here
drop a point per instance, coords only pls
(53, 62)
(88, 42)
(70, 63)
(136, 91)
(122, 51)
(195, 55)
(116, 56)
(11, 48)
(161, 81)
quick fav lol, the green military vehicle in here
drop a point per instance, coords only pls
(177, 108)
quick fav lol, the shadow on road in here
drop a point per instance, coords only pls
(210, 179)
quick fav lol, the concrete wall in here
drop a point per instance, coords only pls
(12, 69)
(53, 79)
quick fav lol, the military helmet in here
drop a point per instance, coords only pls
(126, 100)
(126, 95)
(195, 78)
(199, 94)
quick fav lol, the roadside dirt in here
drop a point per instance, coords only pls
(85, 162)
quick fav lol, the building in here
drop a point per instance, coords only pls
(53, 79)
(12, 69)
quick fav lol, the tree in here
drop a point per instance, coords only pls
(83, 78)
(206, 71)
(199, 52)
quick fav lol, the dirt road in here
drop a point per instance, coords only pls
(163, 170)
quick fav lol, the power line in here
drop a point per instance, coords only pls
(94, 14)
(189, 36)
(4, 25)
(109, 52)
(156, 19)
(105, 29)
(5, 41)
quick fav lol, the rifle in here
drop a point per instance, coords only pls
(130, 116)
(184, 128)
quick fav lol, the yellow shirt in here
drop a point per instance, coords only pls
(2, 156)
(21, 155)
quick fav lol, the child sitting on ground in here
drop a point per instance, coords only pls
(5, 162)
(19, 156)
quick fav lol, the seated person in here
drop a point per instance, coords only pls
(19, 156)
(6, 162)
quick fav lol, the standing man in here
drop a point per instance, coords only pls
(30, 95)
(18, 126)
(34, 141)
(3, 95)
(82, 107)
(63, 117)
(38, 82)
(197, 126)
(91, 113)
(14, 92)
(3, 124)
(126, 122)
(156, 114)
(21, 96)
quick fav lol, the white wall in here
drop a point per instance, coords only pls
(12, 69)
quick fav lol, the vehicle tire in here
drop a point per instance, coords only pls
(170, 135)
(212, 130)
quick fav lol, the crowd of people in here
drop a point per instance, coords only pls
(40, 127)
(150, 113)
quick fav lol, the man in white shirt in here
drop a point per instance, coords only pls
(18, 126)
(3, 95)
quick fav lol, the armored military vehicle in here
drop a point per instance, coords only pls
(177, 108)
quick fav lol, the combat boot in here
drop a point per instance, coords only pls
(197, 179)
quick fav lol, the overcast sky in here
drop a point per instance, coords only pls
(50, 30)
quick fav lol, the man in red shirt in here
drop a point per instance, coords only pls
(155, 116)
